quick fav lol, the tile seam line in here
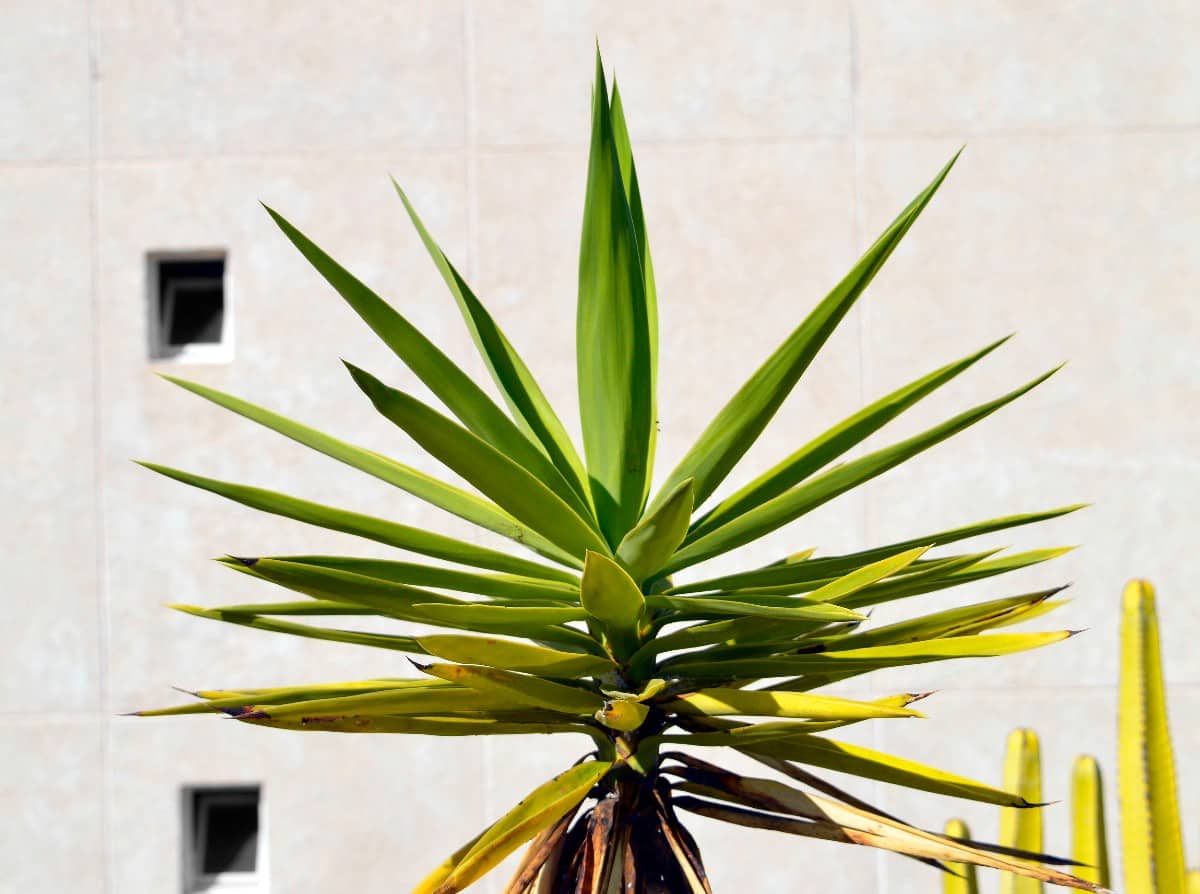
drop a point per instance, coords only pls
(100, 559)
(866, 133)
(967, 131)
(471, 147)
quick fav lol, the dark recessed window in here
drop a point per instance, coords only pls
(189, 307)
(225, 838)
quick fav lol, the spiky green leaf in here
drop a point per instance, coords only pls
(613, 336)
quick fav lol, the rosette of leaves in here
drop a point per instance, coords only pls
(599, 626)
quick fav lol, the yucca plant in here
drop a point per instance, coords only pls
(605, 631)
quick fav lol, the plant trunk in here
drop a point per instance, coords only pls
(628, 842)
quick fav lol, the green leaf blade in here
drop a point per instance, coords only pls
(613, 337)
(466, 400)
(610, 595)
(645, 549)
(368, 527)
(513, 656)
(559, 467)
(789, 573)
(528, 689)
(720, 702)
(495, 475)
(747, 413)
(830, 445)
(543, 806)
(452, 499)
(803, 498)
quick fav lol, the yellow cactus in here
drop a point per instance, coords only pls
(1152, 846)
(960, 877)
(1022, 827)
(1089, 838)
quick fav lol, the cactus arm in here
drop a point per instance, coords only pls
(1151, 840)
(1089, 835)
(959, 877)
(1022, 827)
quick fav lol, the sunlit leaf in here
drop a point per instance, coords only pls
(559, 467)
(377, 529)
(537, 810)
(742, 420)
(613, 340)
(495, 475)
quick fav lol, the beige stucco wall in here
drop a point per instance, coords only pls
(774, 140)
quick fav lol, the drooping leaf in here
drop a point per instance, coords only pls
(844, 757)
(742, 420)
(559, 467)
(539, 809)
(433, 881)
(486, 468)
(613, 340)
(836, 821)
